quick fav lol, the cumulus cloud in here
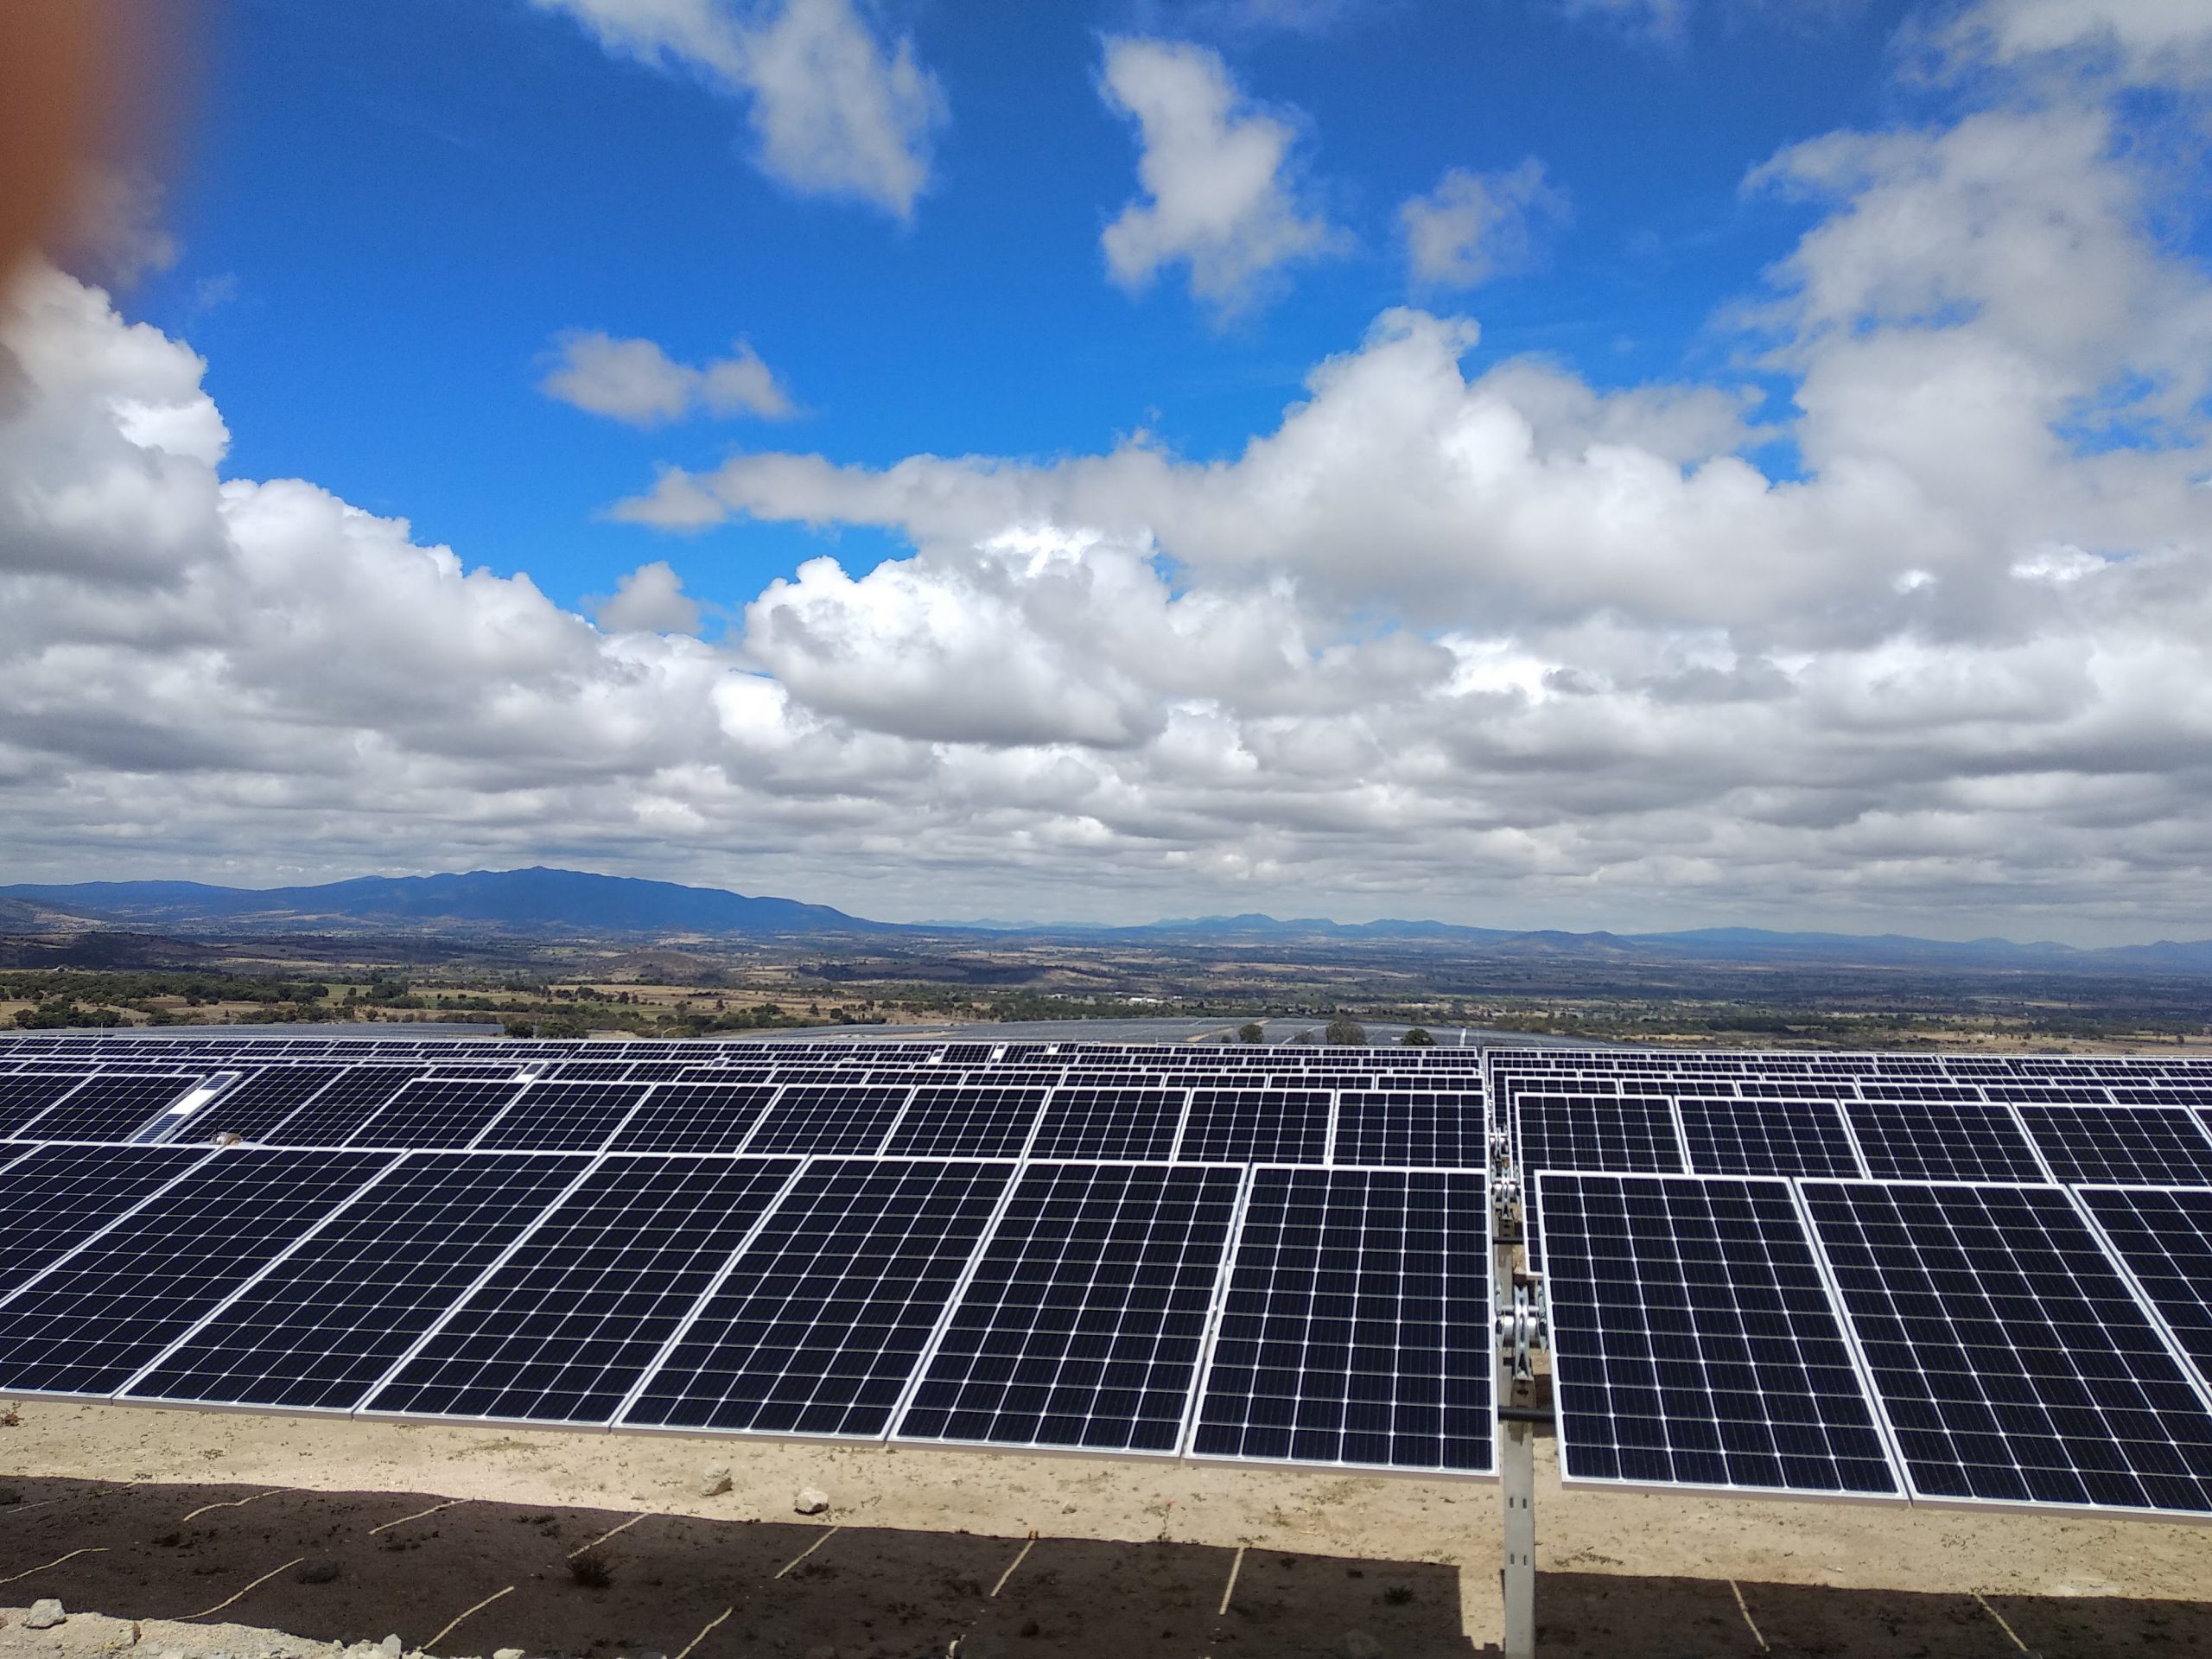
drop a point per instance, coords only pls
(650, 600)
(636, 381)
(1219, 196)
(835, 110)
(1482, 641)
(1477, 225)
(2141, 41)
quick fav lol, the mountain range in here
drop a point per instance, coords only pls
(553, 902)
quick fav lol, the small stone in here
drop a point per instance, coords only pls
(392, 1647)
(1358, 1644)
(714, 1480)
(1030, 1627)
(321, 1572)
(44, 1615)
(811, 1500)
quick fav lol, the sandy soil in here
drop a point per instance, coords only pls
(1411, 1563)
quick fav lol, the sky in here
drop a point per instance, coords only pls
(1622, 464)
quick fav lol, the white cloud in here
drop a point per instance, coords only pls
(2143, 40)
(1497, 645)
(636, 381)
(835, 110)
(1219, 194)
(1477, 225)
(650, 600)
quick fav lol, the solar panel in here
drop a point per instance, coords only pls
(563, 1117)
(564, 1328)
(1261, 1125)
(1082, 1323)
(1694, 1341)
(1957, 1094)
(1628, 1133)
(966, 1122)
(2162, 1094)
(829, 1118)
(823, 1318)
(25, 1096)
(592, 1070)
(97, 1316)
(2009, 1354)
(1766, 1137)
(2164, 1235)
(695, 1117)
(110, 1107)
(1942, 1142)
(319, 1327)
(1356, 1327)
(2041, 1094)
(1091, 1122)
(2130, 1144)
(55, 1197)
(1409, 1129)
(343, 1107)
(262, 1102)
(437, 1112)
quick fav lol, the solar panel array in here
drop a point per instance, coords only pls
(1957, 1279)
(1074, 1246)
(1951, 1279)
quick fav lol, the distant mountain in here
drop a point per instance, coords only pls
(1712, 944)
(533, 900)
(543, 901)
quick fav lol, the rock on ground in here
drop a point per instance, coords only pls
(811, 1500)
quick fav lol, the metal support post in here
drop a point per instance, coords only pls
(1523, 1326)
(1518, 1467)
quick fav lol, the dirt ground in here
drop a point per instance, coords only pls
(1131, 1557)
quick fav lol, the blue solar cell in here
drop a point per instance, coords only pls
(1410, 1128)
(574, 1317)
(1694, 1343)
(319, 1328)
(99, 1314)
(1264, 1126)
(2010, 1355)
(1089, 1122)
(1766, 1137)
(1083, 1322)
(1355, 1326)
(823, 1317)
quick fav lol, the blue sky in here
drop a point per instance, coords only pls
(1579, 463)
(406, 202)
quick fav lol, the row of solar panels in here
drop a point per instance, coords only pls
(1306, 1315)
(383, 1106)
(1965, 1068)
(1971, 1343)
(1885, 1139)
(1209, 1056)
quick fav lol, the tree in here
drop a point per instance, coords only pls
(1251, 1032)
(1418, 1038)
(1345, 1031)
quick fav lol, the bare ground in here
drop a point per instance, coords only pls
(1132, 1556)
